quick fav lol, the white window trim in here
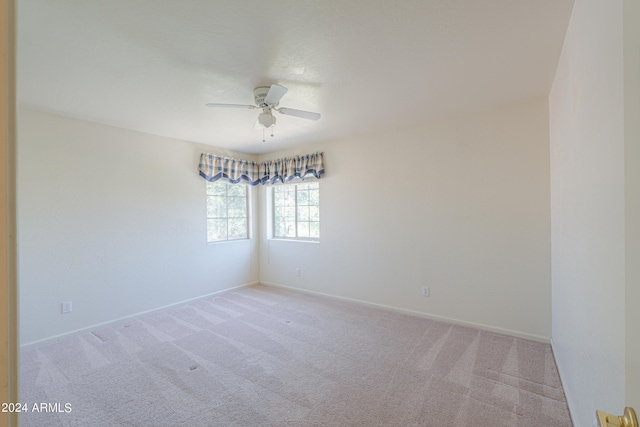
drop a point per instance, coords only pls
(272, 213)
(249, 229)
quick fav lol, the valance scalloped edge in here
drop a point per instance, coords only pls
(213, 168)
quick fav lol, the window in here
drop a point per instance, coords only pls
(227, 211)
(296, 211)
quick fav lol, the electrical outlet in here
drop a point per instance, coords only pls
(297, 271)
(66, 307)
(425, 291)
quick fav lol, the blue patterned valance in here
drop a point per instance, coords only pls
(213, 168)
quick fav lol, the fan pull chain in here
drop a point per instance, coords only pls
(262, 134)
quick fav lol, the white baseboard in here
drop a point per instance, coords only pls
(503, 331)
(562, 381)
(43, 341)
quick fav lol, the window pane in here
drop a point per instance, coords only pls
(237, 228)
(303, 198)
(286, 213)
(278, 213)
(279, 198)
(216, 207)
(314, 229)
(303, 213)
(216, 229)
(210, 207)
(216, 188)
(237, 207)
(314, 197)
(237, 190)
(303, 229)
(289, 229)
(314, 213)
(290, 198)
(279, 228)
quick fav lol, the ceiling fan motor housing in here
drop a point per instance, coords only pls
(259, 94)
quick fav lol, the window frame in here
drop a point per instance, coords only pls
(272, 211)
(247, 210)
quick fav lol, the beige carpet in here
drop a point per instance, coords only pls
(262, 356)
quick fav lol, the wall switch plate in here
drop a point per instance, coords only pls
(425, 291)
(66, 307)
(297, 271)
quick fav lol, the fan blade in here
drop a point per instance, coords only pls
(276, 92)
(299, 113)
(250, 107)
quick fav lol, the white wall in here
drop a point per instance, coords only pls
(632, 195)
(113, 220)
(588, 200)
(9, 351)
(468, 216)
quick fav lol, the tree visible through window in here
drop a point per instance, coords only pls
(296, 211)
(227, 211)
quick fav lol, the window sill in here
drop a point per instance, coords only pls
(277, 239)
(227, 241)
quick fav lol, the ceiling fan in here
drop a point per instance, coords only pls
(267, 98)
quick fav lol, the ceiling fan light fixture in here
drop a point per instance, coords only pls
(266, 120)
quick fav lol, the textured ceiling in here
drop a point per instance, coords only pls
(152, 65)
